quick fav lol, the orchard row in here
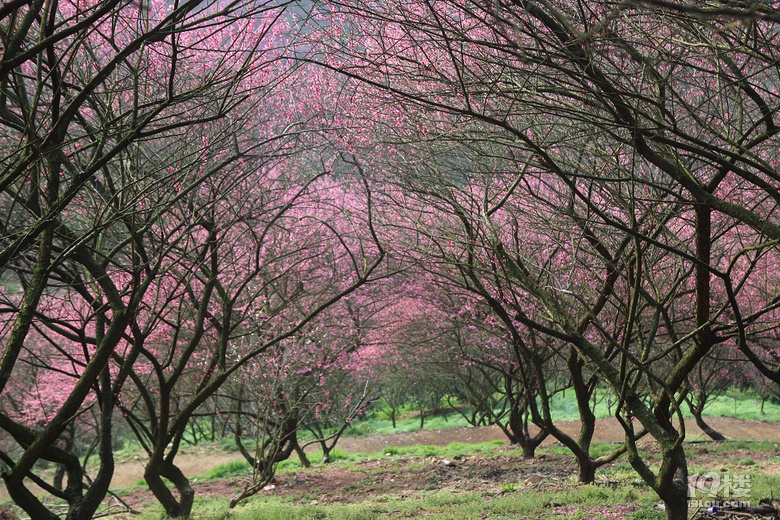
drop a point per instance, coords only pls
(268, 214)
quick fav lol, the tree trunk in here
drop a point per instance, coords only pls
(696, 404)
(675, 499)
(586, 467)
(237, 433)
(59, 475)
(157, 469)
(517, 432)
(670, 480)
(529, 444)
(302, 455)
(583, 392)
(711, 432)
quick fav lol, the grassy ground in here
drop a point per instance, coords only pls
(411, 482)
(553, 497)
(617, 494)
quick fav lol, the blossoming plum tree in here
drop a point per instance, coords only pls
(655, 132)
(264, 259)
(314, 382)
(139, 141)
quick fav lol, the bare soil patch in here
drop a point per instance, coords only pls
(500, 471)
(402, 477)
(407, 476)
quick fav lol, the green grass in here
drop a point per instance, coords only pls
(759, 485)
(737, 452)
(236, 468)
(510, 501)
(734, 403)
(447, 452)
(293, 464)
(380, 425)
(742, 405)
(440, 504)
(762, 486)
(616, 486)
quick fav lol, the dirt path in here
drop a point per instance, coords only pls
(198, 460)
(607, 430)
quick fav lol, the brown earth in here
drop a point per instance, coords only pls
(473, 471)
(406, 476)
(491, 472)
(607, 430)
